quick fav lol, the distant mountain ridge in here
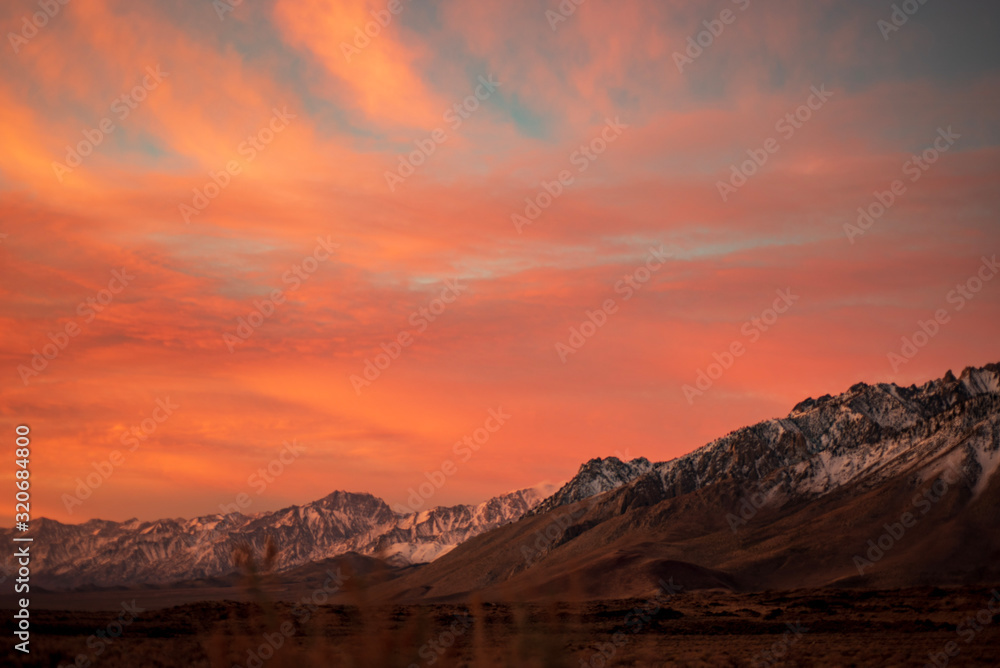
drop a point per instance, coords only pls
(824, 442)
(595, 477)
(106, 553)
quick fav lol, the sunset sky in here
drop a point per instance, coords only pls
(117, 116)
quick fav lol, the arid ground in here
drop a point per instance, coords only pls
(910, 627)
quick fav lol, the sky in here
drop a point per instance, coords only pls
(476, 245)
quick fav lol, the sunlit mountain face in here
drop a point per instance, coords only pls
(257, 252)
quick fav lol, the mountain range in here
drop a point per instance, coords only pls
(103, 553)
(878, 486)
(881, 486)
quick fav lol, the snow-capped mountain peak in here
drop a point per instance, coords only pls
(596, 476)
(105, 553)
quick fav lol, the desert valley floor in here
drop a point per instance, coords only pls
(828, 627)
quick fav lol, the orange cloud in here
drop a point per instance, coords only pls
(321, 176)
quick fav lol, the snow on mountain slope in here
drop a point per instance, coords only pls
(870, 433)
(595, 477)
(104, 553)
(783, 504)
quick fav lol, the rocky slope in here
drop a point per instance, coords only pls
(595, 477)
(879, 486)
(104, 553)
